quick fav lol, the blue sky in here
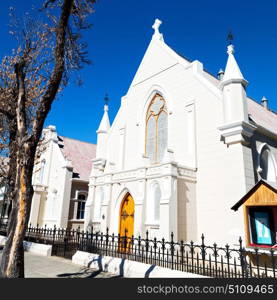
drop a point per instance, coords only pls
(122, 31)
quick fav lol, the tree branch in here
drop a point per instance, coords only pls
(57, 74)
(21, 98)
(6, 111)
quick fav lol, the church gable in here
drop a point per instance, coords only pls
(157, 58)
(154, 61)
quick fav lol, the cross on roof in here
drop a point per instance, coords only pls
(156, 26)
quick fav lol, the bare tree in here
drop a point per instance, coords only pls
(49, 50)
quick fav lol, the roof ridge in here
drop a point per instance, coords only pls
(265, 109)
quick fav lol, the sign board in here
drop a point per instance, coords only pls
(262, 227)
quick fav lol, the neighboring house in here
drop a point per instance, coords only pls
(60, 180)
(184, 147)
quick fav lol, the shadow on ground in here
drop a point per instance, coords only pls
(88, 273)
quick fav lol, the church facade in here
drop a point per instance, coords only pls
(184, 147)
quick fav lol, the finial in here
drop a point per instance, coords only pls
(156, 26)
(230, 49)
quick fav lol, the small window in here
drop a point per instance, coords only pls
(81, 210)
(81, 207)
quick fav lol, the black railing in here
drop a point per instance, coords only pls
(200, 258)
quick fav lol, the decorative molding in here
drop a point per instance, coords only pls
(239, 132)
(99, 163)
(40, 188)
(171, 169)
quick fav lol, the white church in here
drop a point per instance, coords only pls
(184, 147)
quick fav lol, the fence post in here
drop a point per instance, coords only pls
(65, 242)
(44, 233)
(273, 262)
(228, 258)
(146, 245)
(203, 252)
(242, 259)
(163, 249)
(257, 261)
(78, 234)
(139, 244)
(172, 250)
(54, 233)
(132, 244)
(215, 257)
(182, 248)
(192, 257)
(36, 234)
(107, 240)
(155, 250)
(125, 241)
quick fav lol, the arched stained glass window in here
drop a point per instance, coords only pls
(156, 129)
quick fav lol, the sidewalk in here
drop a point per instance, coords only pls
(37, 266)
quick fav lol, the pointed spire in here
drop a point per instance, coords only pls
(232, 71)
(105, 122)
(157, 35)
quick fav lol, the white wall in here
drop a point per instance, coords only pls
(51, 198)
(195, 107)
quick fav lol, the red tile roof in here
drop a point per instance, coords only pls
(80, 154)
(262, 116)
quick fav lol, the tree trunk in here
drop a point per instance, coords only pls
(11, 176)
(12, 264)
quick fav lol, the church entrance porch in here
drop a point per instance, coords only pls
(126, 221)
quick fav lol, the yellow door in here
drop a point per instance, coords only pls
(126, 224)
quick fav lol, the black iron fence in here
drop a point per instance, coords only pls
(208, 260)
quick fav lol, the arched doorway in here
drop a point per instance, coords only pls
(126, 221)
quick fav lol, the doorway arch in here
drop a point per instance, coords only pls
(126, 217)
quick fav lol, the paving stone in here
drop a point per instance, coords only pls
(37, 266)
